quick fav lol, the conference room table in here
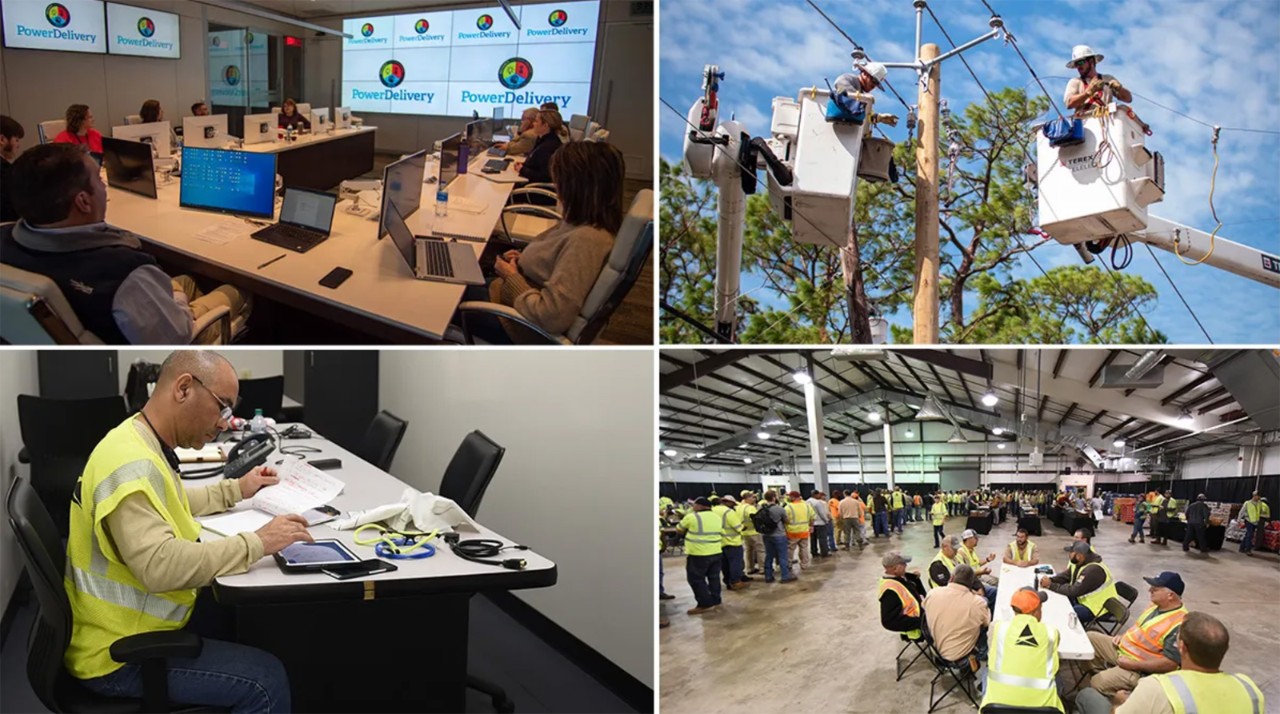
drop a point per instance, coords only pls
(389, 642)
(1073, 642)
(322, 160)
(380, 298)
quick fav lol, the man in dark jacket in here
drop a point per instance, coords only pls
(900, 596)
(1081, 581)
(1197, 525)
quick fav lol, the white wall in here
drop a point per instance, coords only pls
(17, 376)
(1232, 463)
(578, 430)
(249, 364)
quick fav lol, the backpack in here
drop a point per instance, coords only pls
(1064, 132)
(762, 522)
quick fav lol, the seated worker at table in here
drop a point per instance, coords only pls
(945, 562)
(135, 562)
(1087, 582)
(289, 118)
(957, 617)
(80, 131)
(524, 139)
(116, 289)
(1199, 685)
(200, 109)
(1149, 647)
(151, 111)
(536, 167)
(900, 595)
(969, 554)
(1023, 664)
(11, 134)
(1022, 551)
(549, 280)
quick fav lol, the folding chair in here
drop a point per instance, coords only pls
(961, 674)
(1127, 592)
(1113, 619)
(921, 646)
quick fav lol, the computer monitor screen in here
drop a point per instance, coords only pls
(308, 209)
(449, 159)
(259, 128)
(155, 133)
(499, 113)
(207, 131)
(238, 182)
(401, 235)
(402, 186)
(479, 135)
(129, 166)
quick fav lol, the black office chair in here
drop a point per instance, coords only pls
(382, 439)
(57, 437)
(266, 394)
(45, 560)
(1127, 592)
(464, 482)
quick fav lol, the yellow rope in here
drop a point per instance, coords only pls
(1212, 236)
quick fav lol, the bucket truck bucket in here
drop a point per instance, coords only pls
(876, 155)
(1100, 187)
(697, 157)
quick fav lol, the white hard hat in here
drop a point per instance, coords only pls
(1080, 52)
(876, 70)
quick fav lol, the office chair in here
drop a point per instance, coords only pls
(626, 261)
(578, 126)
(133, 119)
(45, 560)
(527, 221)
(382, 439)
(266, 394)
(57, 437)
(48, 130)
(464, 482)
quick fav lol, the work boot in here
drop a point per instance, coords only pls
(739, 586)
(663, 622)
(791, 579)
(699, 610)
(1130, 539)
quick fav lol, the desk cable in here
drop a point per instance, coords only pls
(479, 550)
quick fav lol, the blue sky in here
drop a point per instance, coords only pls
(1214, 60)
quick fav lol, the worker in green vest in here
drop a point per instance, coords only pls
(1022, 661)
(899, 501)
(135, 563)
(1197, 686)
(1022, 551)
(731, 543)
(1087, 582)
(1255, 513)
(1168, 513)
(753, 544)
(799, 520)
(703, 531)
(938, 511)
(944, 562)
(1157, 516)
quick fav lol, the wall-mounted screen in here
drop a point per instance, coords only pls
(138, 31)
(458, 62)
(68, 26)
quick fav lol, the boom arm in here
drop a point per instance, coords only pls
(1192, 244)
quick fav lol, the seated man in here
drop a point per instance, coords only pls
(523, 141)
(1149, 647)
(1087, 582)
(847, 103)
(115, 288)
(968, 554)
(945, 562)
(1090, 90)
(1024, 657)
(957, 616)
(135, 562)
(1022, 551)
(900, 596)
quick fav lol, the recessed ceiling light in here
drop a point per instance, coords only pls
(762, 435)
(1118, 443)
(1001, 445)
(746, 460)
(670, 452)
(873, 416)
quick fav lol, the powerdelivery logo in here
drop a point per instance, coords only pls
(365, 39)
(556, 20)
(146, 28)
(421, 29)
(392, 74)
(483, 23)
(59, 17)
(526, 98)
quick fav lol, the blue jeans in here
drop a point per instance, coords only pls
(938, 535)
(661, 590)
(775, 547)
(1084, 614)
(1246, 545)
(831, 536)
(1137, 526)
(703, 572)
(882, 523)
(990, 593)
(732, 564)
(898, 516)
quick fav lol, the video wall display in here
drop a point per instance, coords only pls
(66, 26)
(142, 32)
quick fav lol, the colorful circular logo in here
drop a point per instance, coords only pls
(391, 74)
(558, 18)
(231, 75)
(484, 22)
(515, 73)
(248, 37)
(146, 27)
(366, 29)
(421, 26)
(59, 16)
(216, 41)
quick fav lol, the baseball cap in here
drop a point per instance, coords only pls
(702, 501)
(1167, 579)
(970, 533)
(1026, 600)
(728, 497)
(1078, 546)
(895, 558)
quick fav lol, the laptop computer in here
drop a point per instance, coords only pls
(129, 166)
(305, 220)
(430, 258)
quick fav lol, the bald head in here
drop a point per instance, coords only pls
(1205, 639)
(201, 363)
(193, 388)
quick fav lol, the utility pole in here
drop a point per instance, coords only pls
(925, 308)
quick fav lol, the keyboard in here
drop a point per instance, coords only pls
(439, 263)
(496, 165)
(495, 151)
(458, 236)
(290, 237)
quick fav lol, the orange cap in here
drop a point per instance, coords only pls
(1026, 601)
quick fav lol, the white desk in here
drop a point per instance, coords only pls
(381, 297)
(304, 140)
(322, 161)
(1057, 611)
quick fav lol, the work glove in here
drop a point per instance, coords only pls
(889, 119)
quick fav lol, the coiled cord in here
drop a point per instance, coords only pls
(481, 550)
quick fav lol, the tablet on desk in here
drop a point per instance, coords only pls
(312, 557)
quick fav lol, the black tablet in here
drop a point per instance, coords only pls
(313, 557)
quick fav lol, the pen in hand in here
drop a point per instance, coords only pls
(269, 262)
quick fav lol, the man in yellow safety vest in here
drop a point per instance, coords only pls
(1254, 512)
(731, 542)
(898, 501)
(703, 531)
(938, 512)
(900, 595)
(1149, 647)
(1022, 551)
(1087, 582)
(799, 520)
(752, 542)
(1023, 657)
(135, 562)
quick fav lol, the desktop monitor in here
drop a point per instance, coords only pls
(499, 113)
(156, 134)
(479, 135)
(129, 166)
(402, 187)
(259, 128)
(319, 119)
(239, 182)
(304, 109)
(204, 132)
(342, 117)
(449, 149)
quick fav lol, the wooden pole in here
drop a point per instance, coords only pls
(925, 309)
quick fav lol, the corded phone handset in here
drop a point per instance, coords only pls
(252, 451)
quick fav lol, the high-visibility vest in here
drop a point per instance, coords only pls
(898, 501)
(799, 517)
(1031, 550)
(1255, 512)
(745, 511)
(968, 557)
(732, 530)
(1203, 692)
(939, 512)
(942, 558)
(107, 601)
(663, 503)
(916, 500)
(1096, 600)
(1022, 664)
(834, 507)
(1170, 507)
(1145, 640)
(910, 606)
(703, 531)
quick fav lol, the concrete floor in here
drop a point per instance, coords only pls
(817, 645)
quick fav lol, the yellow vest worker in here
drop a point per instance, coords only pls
(1145, 640)
(939, 512)
(1096, 601)
(704, 532)
(949, 563)
(1026, 553)
(1255, 511)
(732, 531)
(898, 501)
(1205, 692)
(1023, 661)
(745, 511)
(910, 606)
(799, 517)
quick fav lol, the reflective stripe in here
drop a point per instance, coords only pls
(1184, 693)
(120, 594)
(1016, 681)
(999, 637)
(701, 535)
(1253, 694)
(1053, 652)
(142, 468)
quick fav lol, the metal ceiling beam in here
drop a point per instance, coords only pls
(1111, 355)
(1094, 419)
(1044, 401)
(980, 369)
(924, 387)
(1119, 426)
(1057, 365)
(942, 383)
(695, 370)
(1217, 405)
(1070, 410)
(1211, 394)
(1190, 386)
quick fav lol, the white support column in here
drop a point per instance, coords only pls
(888, 453)
(817, 438)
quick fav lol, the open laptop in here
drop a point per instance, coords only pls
(431, 258)
(129, 166)
(305, 220)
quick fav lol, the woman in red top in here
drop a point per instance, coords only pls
(80, 131)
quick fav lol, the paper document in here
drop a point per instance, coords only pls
(301, 487)
(220, 233)
(233, 522)
(466, 205)
(210, 453)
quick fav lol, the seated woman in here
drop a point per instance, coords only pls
(80, 131)
(536, 167)
(151, 111)
(290, 118)
(549, 280)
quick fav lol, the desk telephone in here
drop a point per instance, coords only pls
(252, 451)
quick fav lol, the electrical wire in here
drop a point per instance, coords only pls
(481, 550)
(858, 47)
(1213, 180)
(1179, 292)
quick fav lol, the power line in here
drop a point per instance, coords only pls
(1179, 292)
(858, 47)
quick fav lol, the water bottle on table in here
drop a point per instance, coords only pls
(259, 424)
(442, 202)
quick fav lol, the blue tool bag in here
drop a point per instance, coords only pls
(1064, 132)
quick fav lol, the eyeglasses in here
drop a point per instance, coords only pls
(227, 409)
(1081, 63)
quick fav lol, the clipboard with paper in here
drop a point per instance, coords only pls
(301, 487)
